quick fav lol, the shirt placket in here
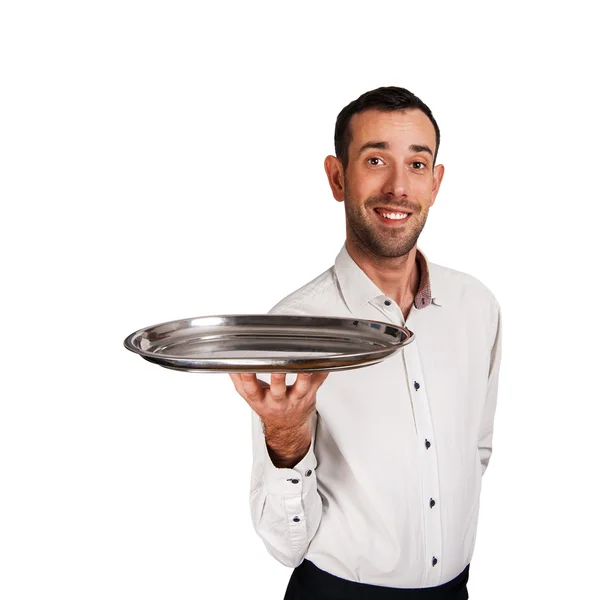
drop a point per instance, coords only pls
(427, 452)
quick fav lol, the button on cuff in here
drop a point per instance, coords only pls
(293, 481)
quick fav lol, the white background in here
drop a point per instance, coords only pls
(162, 160)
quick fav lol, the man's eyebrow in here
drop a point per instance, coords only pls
(376, 145)
(386, 146)
(417, 148)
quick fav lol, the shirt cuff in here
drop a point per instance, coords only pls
(298, 480)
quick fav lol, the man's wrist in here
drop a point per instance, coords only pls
(288, 446)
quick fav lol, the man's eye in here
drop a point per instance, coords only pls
(417, 164)
(373, 161)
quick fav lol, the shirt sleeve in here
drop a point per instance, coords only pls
(285, 505)
(486, 429)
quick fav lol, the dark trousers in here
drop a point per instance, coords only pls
(308, 582)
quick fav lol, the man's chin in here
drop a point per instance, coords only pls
(383, 246)
(386, 251)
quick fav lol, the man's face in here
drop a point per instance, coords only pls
(390, 182)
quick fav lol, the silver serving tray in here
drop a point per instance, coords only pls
(268, 343)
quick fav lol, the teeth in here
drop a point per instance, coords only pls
(393, 215)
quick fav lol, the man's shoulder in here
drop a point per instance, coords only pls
(459, 286)
(318, 296)
(321, 295)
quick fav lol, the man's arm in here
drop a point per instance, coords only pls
(285, 505)
(486, 429)
(287, 446)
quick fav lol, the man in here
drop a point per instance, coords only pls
(368, 481)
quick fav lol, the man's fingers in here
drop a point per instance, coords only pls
(308, 383)
(237, 383)
(319, 378)
(302, 384)
(278, 387)
(252, 391)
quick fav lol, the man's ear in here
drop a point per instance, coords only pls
(438, 175)
(335, 176)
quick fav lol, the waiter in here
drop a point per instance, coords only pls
(368, 481)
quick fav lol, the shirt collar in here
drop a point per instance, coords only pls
(358, 290)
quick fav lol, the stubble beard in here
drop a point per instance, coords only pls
(378, 240)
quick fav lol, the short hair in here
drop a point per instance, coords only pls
(386, 99)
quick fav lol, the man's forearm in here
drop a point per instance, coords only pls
(287, 447)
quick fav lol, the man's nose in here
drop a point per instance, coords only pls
(397, 183)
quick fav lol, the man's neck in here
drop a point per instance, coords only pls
(397, 278)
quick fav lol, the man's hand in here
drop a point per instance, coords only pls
(285, 411)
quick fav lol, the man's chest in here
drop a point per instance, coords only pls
(434, 386)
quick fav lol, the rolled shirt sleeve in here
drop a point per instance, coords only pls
(285, 505)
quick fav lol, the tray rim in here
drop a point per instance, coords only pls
(268, 365)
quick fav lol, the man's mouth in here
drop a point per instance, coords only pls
(391, 216)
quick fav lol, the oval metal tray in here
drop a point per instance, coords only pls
(268, 343)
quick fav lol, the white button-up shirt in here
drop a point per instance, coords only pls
(388, 493)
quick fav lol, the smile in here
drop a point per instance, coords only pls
(387, 216)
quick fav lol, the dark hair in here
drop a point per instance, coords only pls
(386, 99)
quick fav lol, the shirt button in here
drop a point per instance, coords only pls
(427, 444)
(417, 386)
(296, 519)
(434, 561)
(431, 503)
(294, 480)
(308, 473)
(387, 303)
